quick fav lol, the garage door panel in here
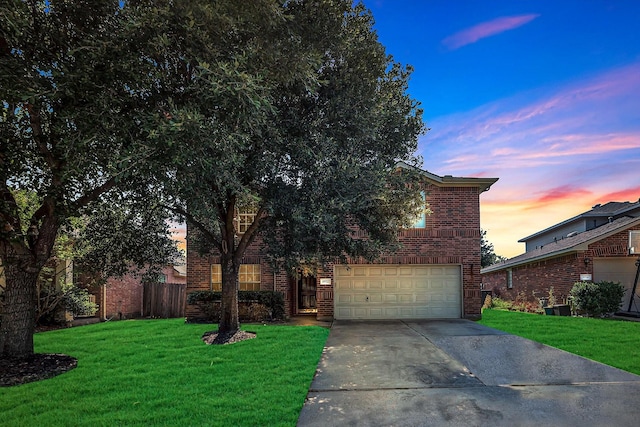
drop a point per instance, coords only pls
(376, 271)
(375, 284)
(391, 271)
(359, 271)
(373, 313)
(360, 298)
(389, 292)
(343, 298)
(422, 298)
(359, 284)
(419, 284)
(406, 271)
(376, 298)
(391, 312)
(405, 298)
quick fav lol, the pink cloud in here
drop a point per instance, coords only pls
(486, 29)
(626, 195)
(580, 119)
(565, 192)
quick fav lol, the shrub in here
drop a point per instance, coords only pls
(501, 304)
(597, 299)
(252, 305)
(53, 302)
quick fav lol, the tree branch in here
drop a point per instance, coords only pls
(192, 220)
(36, 127)
(251, 233)
(10, 216)
(95, 193)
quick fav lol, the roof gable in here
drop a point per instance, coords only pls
(484, 184)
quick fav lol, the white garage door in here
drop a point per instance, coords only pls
(397, 292)
(621, 270)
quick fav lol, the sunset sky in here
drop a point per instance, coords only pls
(544, 95)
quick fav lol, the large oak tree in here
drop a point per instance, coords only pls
(292, 109)
(75, 119)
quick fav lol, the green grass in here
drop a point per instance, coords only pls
(613, 342)
(159, 372)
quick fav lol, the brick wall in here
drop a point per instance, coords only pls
(451, 236)
(123, 298)
(173, 276)
(533, 280)
(199, 275)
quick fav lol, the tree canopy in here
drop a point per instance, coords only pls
(487, 255)
(75, 119)
(294, 111)
(290, 108)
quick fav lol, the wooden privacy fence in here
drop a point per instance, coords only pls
(165, 300)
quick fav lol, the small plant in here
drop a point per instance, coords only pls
(551, 299)
(597, 299)
(487, 302)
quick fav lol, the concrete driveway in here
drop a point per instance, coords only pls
(460, 373)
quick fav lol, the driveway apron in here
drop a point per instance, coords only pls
(460, 373)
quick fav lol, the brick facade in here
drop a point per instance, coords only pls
(451, 236)
(533, 280)
(122, 298)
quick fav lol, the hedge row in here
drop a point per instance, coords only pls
(253, 305)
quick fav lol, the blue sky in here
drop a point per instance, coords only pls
(544, 95)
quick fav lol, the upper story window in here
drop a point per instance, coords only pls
(634, 241)
(244, 219)
(421, 220)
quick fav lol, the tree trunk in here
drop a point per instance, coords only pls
(18, 311)
(229, 321)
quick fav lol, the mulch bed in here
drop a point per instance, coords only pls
(35, 367)
(213, 337)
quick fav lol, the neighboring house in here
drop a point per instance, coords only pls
(602, 244)
(123, 298)
(436, 273)
(594, 218)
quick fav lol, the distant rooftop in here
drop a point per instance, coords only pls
(612, 209)
(567, 245)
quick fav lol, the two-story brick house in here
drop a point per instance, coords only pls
(601, 244)
(435, 274)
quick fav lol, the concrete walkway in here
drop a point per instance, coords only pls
(460, 373)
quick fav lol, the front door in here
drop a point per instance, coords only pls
(307, 294)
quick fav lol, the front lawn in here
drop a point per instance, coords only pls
(159, 372)
(613, 342)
